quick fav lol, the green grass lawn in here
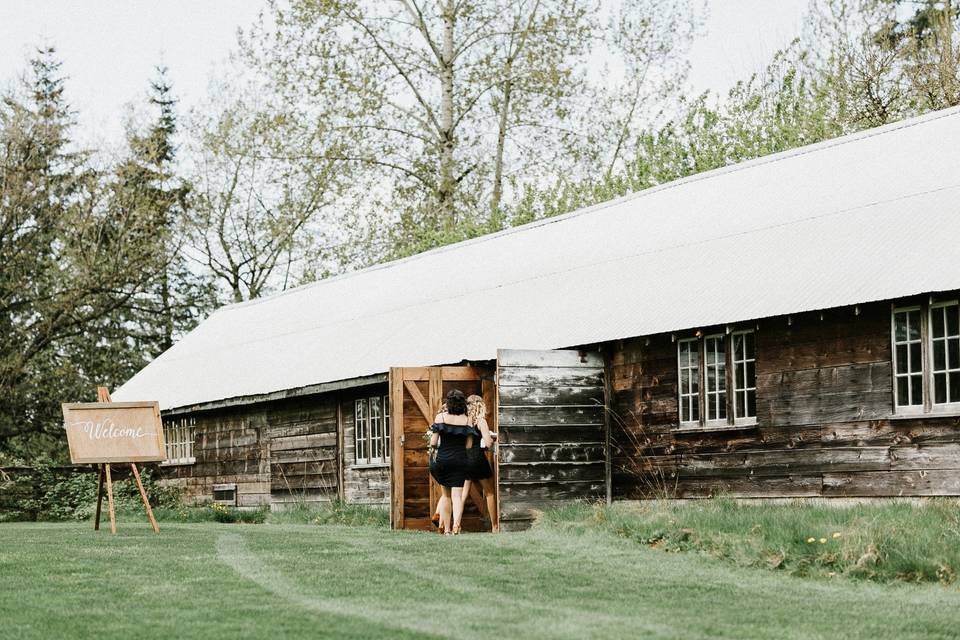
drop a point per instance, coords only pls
(211, 580)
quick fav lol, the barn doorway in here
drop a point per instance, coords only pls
(549, 408)
(416, 394)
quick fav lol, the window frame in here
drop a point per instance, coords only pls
(745, 420)
(730, 421)
(681, 396)
(376, 432)
(929, 406)
(952, 407)
(179, 436)
(705, 419)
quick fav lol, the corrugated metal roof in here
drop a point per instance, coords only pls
(865, 217)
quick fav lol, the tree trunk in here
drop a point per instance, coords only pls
(501, 141)
(447, 184)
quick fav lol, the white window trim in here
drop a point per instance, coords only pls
(702, 424)
(908, 409)
(746, 420)
(715, 422)
(928, 407)
(942, 407)
(371, 461)
(681, 397)
(187, 430)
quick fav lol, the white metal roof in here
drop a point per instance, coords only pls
(865, 217)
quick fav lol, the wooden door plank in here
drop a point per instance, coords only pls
(420, 401)
(396, 444)
(435, 393)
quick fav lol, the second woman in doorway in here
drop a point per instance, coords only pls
(478, 459)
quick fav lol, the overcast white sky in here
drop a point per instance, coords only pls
(110, 47)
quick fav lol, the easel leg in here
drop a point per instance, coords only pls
(96, 522)
(143, 494)
(113, 517)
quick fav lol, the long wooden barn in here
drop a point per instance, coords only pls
(787, 326)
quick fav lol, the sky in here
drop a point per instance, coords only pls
(110, 48)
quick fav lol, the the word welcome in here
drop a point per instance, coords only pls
(108, 429)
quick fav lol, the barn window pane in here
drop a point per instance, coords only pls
(903, 391)
(936, 317)
(913, 325)
(916, 386)
(939, 388)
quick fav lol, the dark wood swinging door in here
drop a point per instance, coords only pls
(416, 394)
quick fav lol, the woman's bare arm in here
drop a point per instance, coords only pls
(485, 432)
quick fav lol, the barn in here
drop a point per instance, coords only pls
(782, 327)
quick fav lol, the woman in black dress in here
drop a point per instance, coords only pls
(478, 459)
(450, 432)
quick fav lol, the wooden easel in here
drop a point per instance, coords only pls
(104, 469)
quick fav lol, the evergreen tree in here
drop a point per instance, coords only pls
(146, 182)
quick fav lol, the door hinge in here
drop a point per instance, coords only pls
(402, 440)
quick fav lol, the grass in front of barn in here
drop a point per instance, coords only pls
(879, 541)
(211, 579)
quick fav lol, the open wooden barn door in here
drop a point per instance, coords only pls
(553, 435)
(416, 394)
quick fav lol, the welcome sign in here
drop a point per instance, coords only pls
(114, 432)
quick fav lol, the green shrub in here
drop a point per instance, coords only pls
(47, 492)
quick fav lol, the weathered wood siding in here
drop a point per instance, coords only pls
(551, 424)
(229, 447)
(824, 419)
(277, 452)
(362, 484)
(302, 436)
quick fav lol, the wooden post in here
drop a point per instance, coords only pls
(143, 494)
(96, 522)
(103, 395)
(113, 517)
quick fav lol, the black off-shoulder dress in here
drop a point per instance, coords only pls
(449, 468)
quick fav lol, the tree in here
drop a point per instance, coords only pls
(458, 101)
(68, 263)
(146, 182)
(262, 189)
(885, 60)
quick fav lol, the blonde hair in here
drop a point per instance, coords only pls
(476, 409)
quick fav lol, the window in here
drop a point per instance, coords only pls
(716, 368)
(178, 435)
(907, 344)
(371, 430)
(945, 344)
(689, 356)
(744, 375)
(225, 494)
(926, 358)
(710, 368)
